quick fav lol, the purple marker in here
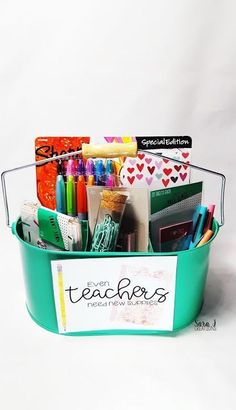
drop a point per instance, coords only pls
(71, 169)
(81, 168)
(110, 180)
(90, 167)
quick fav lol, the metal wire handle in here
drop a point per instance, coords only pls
(45, 161)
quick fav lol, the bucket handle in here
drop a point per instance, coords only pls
(122, 146)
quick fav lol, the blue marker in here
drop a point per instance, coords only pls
(60, 190)
(99, 173)
(199, 218)
(109, 167)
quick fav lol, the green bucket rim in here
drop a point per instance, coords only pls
(216, 228)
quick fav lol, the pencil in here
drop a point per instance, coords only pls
(61, 296)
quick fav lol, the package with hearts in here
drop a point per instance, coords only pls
(147, 170)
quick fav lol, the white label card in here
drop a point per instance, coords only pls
(136, 293)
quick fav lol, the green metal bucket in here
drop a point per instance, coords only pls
(192, 267)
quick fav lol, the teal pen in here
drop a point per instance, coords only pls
(199, 218)
(60, 195)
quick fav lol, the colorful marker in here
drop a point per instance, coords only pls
(81, 198)
(60, 190)
(81, 168)
(205, 238)
(90, 180)
(209, 218)
(70, 188)
(99, 173)
(90, 168)
(109, 167)
(199, 218)
(110, 181)
(71, 168)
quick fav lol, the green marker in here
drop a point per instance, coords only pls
(70, 196)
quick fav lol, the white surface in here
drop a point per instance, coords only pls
(125, 67)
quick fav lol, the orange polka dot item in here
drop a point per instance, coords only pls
(48, 147)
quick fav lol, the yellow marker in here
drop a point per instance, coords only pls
(206, 237)
(61, 296)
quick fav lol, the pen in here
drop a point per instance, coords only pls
(71, 168)
(99, 173)
(199, 218)
(90, 180)
(209, 218)
(81, 198)
(110, 181)
(70, 189)
(90, 169)
(81, 168)
(109, 174)
(205, 238)
(109, 167)
(60, 190)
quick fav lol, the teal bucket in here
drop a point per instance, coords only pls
(192, 268)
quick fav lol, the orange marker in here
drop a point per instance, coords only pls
(206, 237)
(81, 198)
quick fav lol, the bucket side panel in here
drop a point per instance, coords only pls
(39, 287)
(190, 284)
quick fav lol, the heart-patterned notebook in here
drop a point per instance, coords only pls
(152, 172)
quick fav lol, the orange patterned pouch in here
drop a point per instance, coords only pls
(47, 147)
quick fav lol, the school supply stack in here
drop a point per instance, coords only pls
(173, 214)
(131, 198)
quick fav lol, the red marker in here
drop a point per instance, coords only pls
(81, 198)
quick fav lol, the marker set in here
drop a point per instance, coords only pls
(72, 178)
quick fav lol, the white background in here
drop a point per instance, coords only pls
(119, 67)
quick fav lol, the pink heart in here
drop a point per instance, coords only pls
(139, 176)
(183, 176)
(158, 164)
(149, 180)
(148, 160)
(109, 139)
(132, 161)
